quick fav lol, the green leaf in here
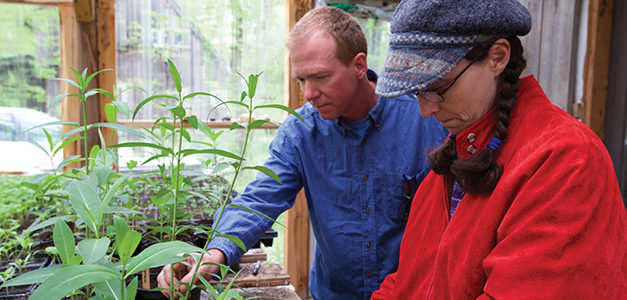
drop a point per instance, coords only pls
(265, 171)
(219, 152)
(151, 98)
(252, 84)
(44, 224)
(178, 111)
(242, 96)
(131, 289)
(186, 135)
(84, 200)
(56, 99)
(111, 111)
(206, 130)
(131, 164)
(281, 107)
(48, 138)
(113, 189)
(121, 228)
(64, 241)
(55, 123)
(176, 77)
(201, 94)
(235, 125)
(109, 289)
(93, 250)
(121, 210)
(123, 108)
(257, 124)
(88, 79)
(118, 127)
(142, 144)
(156, 254)
(90, 93)
(65, 143)
(34, 276)
(193, 121)
(69, 160)
(233, 239)
(93, 152)
(105, 92)
(71, 278)
(128, 244)
(69, 81)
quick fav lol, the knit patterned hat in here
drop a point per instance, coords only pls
(430, 37)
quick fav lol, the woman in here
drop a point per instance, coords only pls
(522, 200)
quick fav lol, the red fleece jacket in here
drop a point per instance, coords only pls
(555, 227)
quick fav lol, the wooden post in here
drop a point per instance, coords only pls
(107, 59)
(596, 66)
(88, 45)
(69, 49)
(297, 218)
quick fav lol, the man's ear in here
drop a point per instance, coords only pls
(360, 63)
(498, 56)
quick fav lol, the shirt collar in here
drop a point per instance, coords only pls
(375, 114)
(474, 139)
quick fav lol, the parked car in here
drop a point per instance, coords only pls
(17, 154)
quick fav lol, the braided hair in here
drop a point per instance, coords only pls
(480, 173)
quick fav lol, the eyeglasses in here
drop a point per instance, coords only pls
(438, 97)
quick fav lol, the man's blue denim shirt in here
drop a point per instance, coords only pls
(353, 178)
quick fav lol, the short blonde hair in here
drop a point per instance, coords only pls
(344, 29)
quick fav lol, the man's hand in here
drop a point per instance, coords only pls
(181, 273)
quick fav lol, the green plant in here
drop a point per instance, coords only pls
(102, 262)
(237, 165)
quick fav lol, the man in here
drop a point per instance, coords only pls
(353, 155)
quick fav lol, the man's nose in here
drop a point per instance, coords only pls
(310, 91)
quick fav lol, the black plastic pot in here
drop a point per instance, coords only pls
(22, 291)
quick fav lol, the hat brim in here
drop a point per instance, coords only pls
(407, 69)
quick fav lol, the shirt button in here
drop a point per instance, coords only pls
(343, 132)
(471, 137)
(368, 244)
(378, 126)
(471, 149)
(369, 275)
(368, 211)
(365, 177)
(363, 142)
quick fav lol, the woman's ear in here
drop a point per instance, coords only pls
(360, 64)
(498, 56)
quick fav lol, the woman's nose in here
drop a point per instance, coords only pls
(427, 108)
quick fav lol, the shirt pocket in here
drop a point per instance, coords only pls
(394, 202)
(401, 190)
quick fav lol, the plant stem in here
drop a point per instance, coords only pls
(84, 101)
(239, 166)
(178, 173)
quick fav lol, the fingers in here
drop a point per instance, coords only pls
(174, 272)
(173, 276)
(163, 280)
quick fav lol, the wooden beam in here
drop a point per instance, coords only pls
(85, 10)
(40, 2)
(296, 218)
(596, 65)
(211, 124)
